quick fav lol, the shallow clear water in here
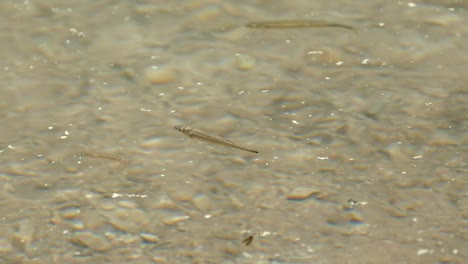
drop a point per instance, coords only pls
(362, 136)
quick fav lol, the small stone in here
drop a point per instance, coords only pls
(25, 233)
(202, 202)
(160, 75)
(182, 193)
(323, 56)
(444, 19)
(67, 195)
(397, 213)
(129, 239)
(70, 212)
(208, 13)
(245, 62)
(5, 245)
(362, 229)
(148, 237)
(92, 241)
(301, 193)
(165, 202)
(442, 138)
(77, 224)
(236, 202)
(159, 260)
(446, 259)
(172, 220)
(396, 151)
(355, 217)
(127, 220)
(135, 255)
(127, 204)
(108, 205)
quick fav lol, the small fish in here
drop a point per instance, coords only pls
(195, 133)
(247, 240)
(103, 155)
(282, 24)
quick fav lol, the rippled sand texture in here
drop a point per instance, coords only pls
(362, 136)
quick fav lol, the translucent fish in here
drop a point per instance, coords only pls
(284, 24)
(195, 133)
(104, 155)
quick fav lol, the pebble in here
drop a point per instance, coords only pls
(359, 230)
(396, 152)
(446, 259)
(301, 193)
(172, 220)
(350, 230)
(160, 75)
(245, 62)
(160, 260)
(127, 204)
(182, 193)
(208, 13)
(165, 202)
(127, 220)
(92, 241)
(70, 212)
(148, 237)
(77, 224)
(442, 138)
(397, 213)
(236, 202)
(67, 195)
(202, 202)
(129, 239)
(5, 245)
(25, 232)
(135, 255)
(323, 56)
(355, 217)
(451, 19)
(108, 205)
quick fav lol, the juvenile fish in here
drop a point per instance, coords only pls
(104, 155)
(248, 240)
(195, 133)
(283, 24)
